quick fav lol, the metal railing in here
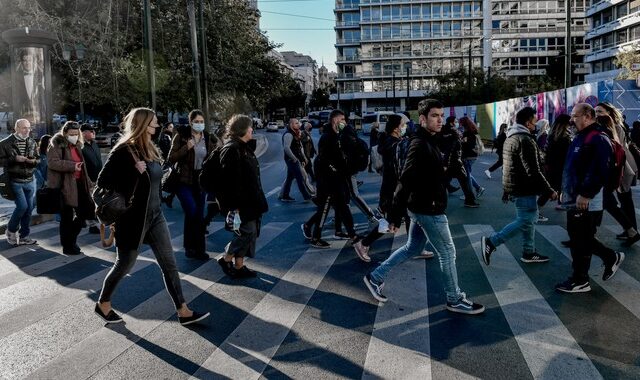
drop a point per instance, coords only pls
(552, 29)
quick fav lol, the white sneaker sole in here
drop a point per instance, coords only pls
(205, 315)
(373, 291)
(616, 266)
(585, 289)
(463, 311)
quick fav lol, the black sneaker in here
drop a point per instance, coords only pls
(244, 272)
(111, 317)
(227, 266)
(306, 231)
(487, 249)
(464, 306)
(94, 230)
(375, 288)
(534, 257)
(339, 235)
(72, 251)
(610, 270)
(471, 204)
(286, 199)
(571, 286)
(632, 240)
(320, 244)
(196, 317)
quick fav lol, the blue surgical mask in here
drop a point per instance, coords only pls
(198, 127)
(403, 130)
(341, 126)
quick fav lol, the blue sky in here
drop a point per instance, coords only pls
(316, 43)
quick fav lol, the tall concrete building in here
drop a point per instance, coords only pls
(528, 37)
(304, 66)
(615, 28)
(326, 78)
(382, 45)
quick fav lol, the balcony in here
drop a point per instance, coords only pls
(347, 41)
(347, 24)
(348, 58)
(609, 50)
(424, 36)
(581, 68)
(538, 31)
(348, 76)
(476, 15)
(400, 55)
(602, 5)
(343, 7)
(622, 22)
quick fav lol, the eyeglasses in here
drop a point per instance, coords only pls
(575, 116)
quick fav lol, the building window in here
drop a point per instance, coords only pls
(395, 13)
(375, 13)
(386, 32)
(446, 28)
(415, 12)
(621, 10)
(406, 12)
(607, 16)
(466, 7)
(426, 11)
(446, 10)
(436, 11)
(457, 10)
(366, 14)
(375, 32)
(416, 31)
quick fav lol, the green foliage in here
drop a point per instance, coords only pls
(625, 59)
(320, 99)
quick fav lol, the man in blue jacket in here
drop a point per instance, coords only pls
(586, 170)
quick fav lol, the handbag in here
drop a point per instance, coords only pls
(111, 205)
(49, 200)
(6, 191)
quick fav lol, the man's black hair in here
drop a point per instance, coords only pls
(427, 104)
(524, 115)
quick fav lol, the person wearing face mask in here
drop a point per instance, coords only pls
(522, 181)
(68, 172)
(19, 157)
(189, 148)
(134, 170)
(450, 145)
(93, 162)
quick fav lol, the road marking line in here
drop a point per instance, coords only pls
(400, 341)
(623, 287)
(539, 332)
(250, 347)
(270, 193)
(102, 346)
(20, 249)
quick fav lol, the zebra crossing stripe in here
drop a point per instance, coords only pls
(623, 287)
(540, 334)
(395, 352)
(19, 250)
(250, 347)
(101, 347)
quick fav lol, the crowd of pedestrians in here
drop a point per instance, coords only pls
(584, 162)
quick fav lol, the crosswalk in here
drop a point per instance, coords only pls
(308, 314)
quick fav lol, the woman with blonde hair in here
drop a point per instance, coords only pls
(66, 171)
(134, 170)
(242, 195)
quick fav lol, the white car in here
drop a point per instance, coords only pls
(272, 126)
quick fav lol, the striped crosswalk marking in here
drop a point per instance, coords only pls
(102, 345)
(542, 337)
(623, 287)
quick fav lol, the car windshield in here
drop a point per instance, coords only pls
(384, 118)
(370, 119)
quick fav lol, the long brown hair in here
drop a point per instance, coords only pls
(135, 134)
(468, 125)
(615, 113)
(560, 127)
(606, 121)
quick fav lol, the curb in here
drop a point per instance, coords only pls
(35, 220)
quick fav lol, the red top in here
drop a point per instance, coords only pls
(76, 156)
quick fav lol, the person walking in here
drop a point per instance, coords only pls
(165, 139)
(585, 174)
(426, 202)
(134, 170)
(93, 161)
(190, 146)
(332, 179)
(450, 145)
(498, 143)
(522, 181)
(41, 169)
(470, 151)
(309, 149)
(625, 214)
(19, 156)
(556, 153)
(295, 160)
(242, 194)
(68, 172)
(373, 142)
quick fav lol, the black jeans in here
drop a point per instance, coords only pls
(463, 180)
(327, 196)
(159, 239)
(496, 165)
(582, 227)
(192, 200)
(72, 221)
(627, 206)
(619, 214)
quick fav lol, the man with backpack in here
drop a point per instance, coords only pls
(295, 160)
(587, 170)
(522, 182)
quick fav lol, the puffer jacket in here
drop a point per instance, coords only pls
(18, 171)
(185, 157)
(522, 166)
(61, 169)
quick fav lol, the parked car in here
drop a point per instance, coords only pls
(369, 119)
(280, 124)
(272, 126)
(104, 137)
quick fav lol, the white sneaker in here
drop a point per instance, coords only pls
(487, 173)
(383, 226)
(26, 241)
(362, 251)
(425, 255)
(12, 238)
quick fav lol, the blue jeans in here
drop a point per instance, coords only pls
(25, 199)
(192, 200)
(472, 181)
(436, 229)
(294, 171)
(526, 215)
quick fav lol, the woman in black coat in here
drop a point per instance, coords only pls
(134, 170)
(242, 194)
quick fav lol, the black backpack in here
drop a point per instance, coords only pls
(357, 156)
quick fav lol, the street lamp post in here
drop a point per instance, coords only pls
(386, 99)
(393, 81)
(567, 59)
(79, 50)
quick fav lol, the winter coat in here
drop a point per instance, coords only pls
(587, 166)
(522, 166)
(242, 187)
(468, 146)
(555, 156)
(185, 157)
(61, 170)
(92, 159)
(164, 143)
(387, 148)
(120, 175)
(413, 192)
(498, 143)
(292, 146)
(18, 171)
(307, 145)
(450, 145)
(330, 164)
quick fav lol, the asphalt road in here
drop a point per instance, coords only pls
(308, 314)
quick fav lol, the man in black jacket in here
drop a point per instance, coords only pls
(19, 157)
(451, 146)
(332, 186)
(426, 202)
(522, 181)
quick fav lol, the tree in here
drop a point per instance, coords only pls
(625, 59)
(320, 99)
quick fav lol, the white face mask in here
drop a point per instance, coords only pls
(198, 127)
(72, 139)
(403, 130)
